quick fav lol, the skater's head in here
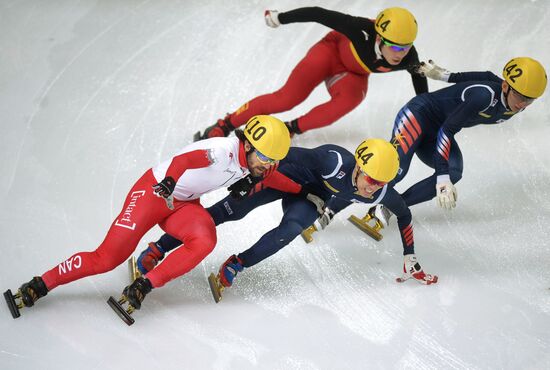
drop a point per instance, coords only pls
(266, 141)
(524, 81)
(377, 164)
(396, 30)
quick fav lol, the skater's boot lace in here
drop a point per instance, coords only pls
(31, 291)
(136, 292)
(229, 270)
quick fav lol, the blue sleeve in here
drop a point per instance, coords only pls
(309, 158)
(396, 204)
(473, 76)
(475, 99)
(337, 204)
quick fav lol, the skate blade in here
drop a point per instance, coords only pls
(133, 269)
(307, 234)
(197, 136)
(362, 225)
(120, 311)
(216, 287)
(10, 300)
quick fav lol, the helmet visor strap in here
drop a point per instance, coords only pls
(396, 47)
(263, 159)
(372, 181)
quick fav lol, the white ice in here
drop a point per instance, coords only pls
(93, 93)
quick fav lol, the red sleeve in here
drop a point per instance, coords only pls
(278, 181)
(187, 161)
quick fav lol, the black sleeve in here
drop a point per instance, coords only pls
(343, 23)
(420, 83)
(473, 76)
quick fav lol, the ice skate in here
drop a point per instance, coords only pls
(221, 128)
(307, 234)
(133, 295)
(216, 287)
(224, 278)
(27, 294)
(376, 219)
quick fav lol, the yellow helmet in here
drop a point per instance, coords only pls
(378, 159)
(269, 135)
(396, 25)
(526, 76)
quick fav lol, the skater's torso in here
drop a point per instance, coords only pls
(227, 165)
(475, 99)
(355, 40)
(328, 169)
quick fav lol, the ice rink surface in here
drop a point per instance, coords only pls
(93, 93)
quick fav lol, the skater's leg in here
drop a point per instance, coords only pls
(308, 73)
(298, 215)
(192, 225)
(347, 90)
(141, 211)
(424, 190)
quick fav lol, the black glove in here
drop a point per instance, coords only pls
(165, 188)
(242, 188)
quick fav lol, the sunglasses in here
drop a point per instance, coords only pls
(522, 98)
(397, 47)
(372, 181)
(263, 159)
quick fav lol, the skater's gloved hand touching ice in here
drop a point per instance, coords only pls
(446, 194)
(272, 18)
(165, 188)
(242, 188)
(412, 270)
(433, 71)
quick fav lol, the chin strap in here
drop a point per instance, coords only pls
(354, 180)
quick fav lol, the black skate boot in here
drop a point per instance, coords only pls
(27, 294)
(219, 129)
(133, 294)
(293, 127)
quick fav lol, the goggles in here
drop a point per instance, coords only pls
(263, 159)
(372, 181)
(397, 47)
(522, 98)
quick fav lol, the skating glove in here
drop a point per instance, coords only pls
(412, 269)
(324, 219)
(446, 195)
(165, 188)
(308, 193)
(433, 71)
(242, 188)
(272, 18)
